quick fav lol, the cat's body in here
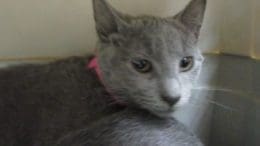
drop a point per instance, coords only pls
(40, 103)
(149, 64)
(132, 127)
(65, 102)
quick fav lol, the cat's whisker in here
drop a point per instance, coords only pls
(214, 103)
(233, 91)
(112, 103)
(223, 106)
(213, 89)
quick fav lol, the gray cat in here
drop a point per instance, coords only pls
(148, 66)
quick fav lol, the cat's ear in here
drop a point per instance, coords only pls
(192, 16)
(108, 20)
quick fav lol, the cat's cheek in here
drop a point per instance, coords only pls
(183, 101)
(185, 98)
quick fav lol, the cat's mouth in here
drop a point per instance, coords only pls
(164, 110)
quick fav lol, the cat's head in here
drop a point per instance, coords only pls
(148, 61)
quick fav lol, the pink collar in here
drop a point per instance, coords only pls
(93, 64)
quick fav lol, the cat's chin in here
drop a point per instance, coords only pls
(168, 113)
(163, 114)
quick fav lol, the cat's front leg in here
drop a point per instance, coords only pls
(132, 128)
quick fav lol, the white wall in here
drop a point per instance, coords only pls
(57, 28)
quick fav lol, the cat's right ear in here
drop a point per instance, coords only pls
(108, 20)
(192, 16)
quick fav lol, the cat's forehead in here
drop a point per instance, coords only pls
(150, 27)
(155, 36)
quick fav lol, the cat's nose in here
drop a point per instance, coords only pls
(171, 100)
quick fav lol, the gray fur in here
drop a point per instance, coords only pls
(66, 103)
(132, 128)
(41, 103)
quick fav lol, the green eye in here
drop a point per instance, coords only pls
(186, 64)
(142, 65)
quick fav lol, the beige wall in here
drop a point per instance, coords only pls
(256, 30)
(57, 28)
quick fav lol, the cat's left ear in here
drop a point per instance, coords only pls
(108, 20)
(192, 16)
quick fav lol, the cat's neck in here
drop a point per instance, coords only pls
(94, 65)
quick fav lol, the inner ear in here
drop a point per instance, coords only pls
(192, 16)
(117, 40)
(108, 20)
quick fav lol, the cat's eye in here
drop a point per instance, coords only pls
(186, 63)
(142, 65)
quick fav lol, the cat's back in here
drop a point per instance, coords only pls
(132, 127)
(39, 102)
(24, 82)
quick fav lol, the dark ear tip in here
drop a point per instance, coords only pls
(205, 2)
(202, 2)
(96, 3)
